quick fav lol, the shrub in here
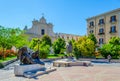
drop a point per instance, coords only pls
(9, 53)
(76, 51)
(84, 47)
(44, 51)
(58, 45)
(62, 51)
(111, 49)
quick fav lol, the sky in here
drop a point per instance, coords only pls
(67, 16)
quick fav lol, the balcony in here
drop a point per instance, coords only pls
(113, 21)
(101, 33)
(113, 31)
(101, 23)
(91, 26)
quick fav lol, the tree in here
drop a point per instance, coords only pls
(43, 45)
(93, 38)
(105, 50)
(85, 47)
(76, 51)
(18, 38)
(44, 50)
(47, 40)
(58, 45)
(112, 48)
(34, 43)
(115, 41)
(10, 37)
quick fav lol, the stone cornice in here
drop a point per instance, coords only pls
(116, 10)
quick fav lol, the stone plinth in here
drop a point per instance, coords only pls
(63, 63)
(20, 69)
(60, 64)
(80, 63)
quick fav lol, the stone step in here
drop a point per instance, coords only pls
(38, 73)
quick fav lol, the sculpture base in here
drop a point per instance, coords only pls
(63, 63)
(19, 70)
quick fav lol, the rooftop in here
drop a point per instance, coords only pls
(104, 13)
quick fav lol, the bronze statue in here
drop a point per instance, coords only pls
(27, 57)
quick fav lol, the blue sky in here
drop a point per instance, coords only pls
(67, 16)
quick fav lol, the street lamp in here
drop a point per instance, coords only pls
(38, 44)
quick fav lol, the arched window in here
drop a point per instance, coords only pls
(42, 32)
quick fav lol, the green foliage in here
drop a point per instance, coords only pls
(62, 51)
(84, 47)
(115, 41)
(56, 56)
(44, 51)
(11, 37)
(93, 38)
(112, 48)
(34, 43)
(8, 59)
(76, 51)
(58, 45)
(42, 44)
(105, 50)
(20, 41)
(47, 40)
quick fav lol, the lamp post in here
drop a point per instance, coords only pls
(38, 44)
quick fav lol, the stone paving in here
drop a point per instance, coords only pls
(98, 72)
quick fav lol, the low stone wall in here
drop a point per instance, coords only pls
(9, 62)
(60, 63)
(52, 59)
(103, 60)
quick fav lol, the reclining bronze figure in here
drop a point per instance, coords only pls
(27, 57)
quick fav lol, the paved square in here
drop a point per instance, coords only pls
(75, 73)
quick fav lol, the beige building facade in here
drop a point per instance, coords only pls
(41, 27)
(104, 26)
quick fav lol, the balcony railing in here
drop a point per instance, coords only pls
(101, 33)
(112, 21)
(113, 31)
(91, 26)
(101, 23)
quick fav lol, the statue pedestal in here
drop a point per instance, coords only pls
(66, 63)
(19, 70)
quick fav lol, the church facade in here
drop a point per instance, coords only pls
(41, 27)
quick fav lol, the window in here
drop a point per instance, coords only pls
(42, 32)
(113, 18)
(101, 41)
(101, 21)
(67, 37)
(91, 23)
(113, 29)
(91, 31)
(101, 31)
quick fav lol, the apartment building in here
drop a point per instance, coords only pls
(104, 26)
